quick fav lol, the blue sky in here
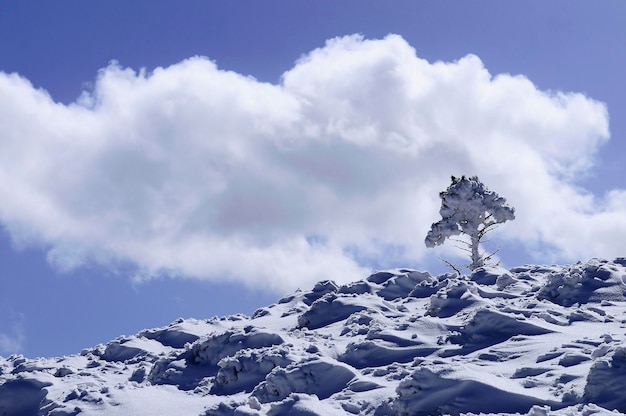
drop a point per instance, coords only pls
(189, 191)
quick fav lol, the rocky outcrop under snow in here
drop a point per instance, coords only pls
(535, 340)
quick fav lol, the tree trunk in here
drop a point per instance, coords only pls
(477, 260)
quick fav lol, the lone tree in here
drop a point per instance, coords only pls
(469, 208)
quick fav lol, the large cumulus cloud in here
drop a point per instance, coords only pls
(202, 172)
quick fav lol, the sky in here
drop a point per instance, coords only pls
(159, 162)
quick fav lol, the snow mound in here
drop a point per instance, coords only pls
(594, 281)
(606, 381)
(132, 349)
(426, 392)
(22, 396)
(247, 368)
(321, 377)
(205, 358)
(329, 309)
(534, 340)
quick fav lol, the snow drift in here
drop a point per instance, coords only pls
(534, 340)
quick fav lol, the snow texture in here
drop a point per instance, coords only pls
(534, 340)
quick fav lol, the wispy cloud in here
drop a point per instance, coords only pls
(215, 175)
(12, 341)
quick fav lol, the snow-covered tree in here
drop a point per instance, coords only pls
(469, 208)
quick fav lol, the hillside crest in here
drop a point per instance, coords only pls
(536, 340)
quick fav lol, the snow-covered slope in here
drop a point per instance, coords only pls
(533, 340)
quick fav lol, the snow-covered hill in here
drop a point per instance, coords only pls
(533, 340)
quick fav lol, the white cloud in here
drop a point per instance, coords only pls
(215, 175)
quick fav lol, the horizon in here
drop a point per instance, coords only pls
(161, 163)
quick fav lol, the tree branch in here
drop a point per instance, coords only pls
(452, 266)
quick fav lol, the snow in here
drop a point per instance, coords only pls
(533, 340)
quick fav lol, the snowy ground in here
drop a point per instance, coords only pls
(534, 340)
